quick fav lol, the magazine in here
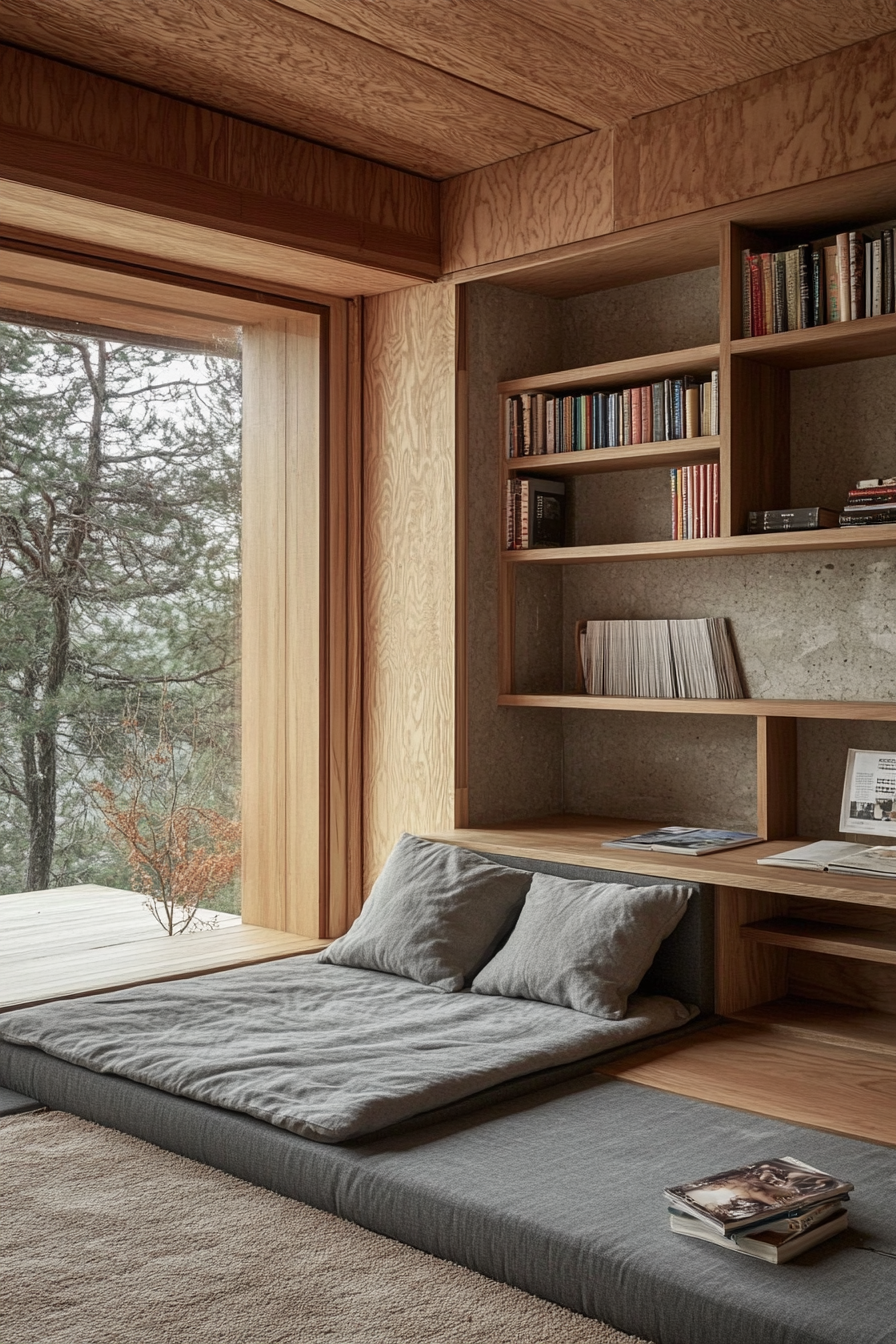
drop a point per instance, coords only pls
(869, 794)
(816, 857)
(694, 840)
(731, 1201)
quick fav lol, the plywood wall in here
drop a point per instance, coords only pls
(802, 124)
(409, 567)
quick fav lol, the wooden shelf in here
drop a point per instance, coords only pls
(875, 711)
(620, 373)
(568, 838)
(833, 1023)
(637, 457)
(833, 939)
(826, 539)
(835, 343)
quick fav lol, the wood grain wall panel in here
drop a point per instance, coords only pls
(284, 800)
(62, 127)
(264, 685)
(286, 70)
(827, 116)
(539, 200)
(409, 567)
(110, 231)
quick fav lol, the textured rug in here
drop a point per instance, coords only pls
(109, 1240)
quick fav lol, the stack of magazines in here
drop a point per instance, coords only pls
(689, 660)
(773, 1210)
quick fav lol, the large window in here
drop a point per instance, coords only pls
(119, 615)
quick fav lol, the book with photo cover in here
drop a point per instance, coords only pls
(764, 1244)
(732, 1201)
(693, 840)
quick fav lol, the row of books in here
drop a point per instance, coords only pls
(674, 408)
(773, 1210)
(535, 513)
(833, 280)
(659, 659)
(870, 502)
(695, 501)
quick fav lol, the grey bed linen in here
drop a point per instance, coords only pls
(558, 1193)
(327, 1052)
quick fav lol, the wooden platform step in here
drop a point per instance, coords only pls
(833, 1023)
(755, 1068)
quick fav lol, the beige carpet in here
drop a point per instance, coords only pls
(109, 1240)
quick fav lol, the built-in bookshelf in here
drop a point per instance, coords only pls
(804, 954)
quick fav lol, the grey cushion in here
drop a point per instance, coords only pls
(583, 945)
(436, 914)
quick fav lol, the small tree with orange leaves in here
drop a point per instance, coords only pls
(180, 855)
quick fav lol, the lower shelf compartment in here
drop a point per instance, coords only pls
(829, 1023)
(833, 939)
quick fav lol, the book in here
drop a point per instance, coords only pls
(791, 520)
(659, 659)
(883, 514)
(832, 283)
(692, 840)
(695, 497)
(775, 1247)
(535, 513)
(742, 1197)
(816, 857)
(877, 861)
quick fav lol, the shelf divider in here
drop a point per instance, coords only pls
(762, 543)
(637, 457)
(834, 343)
(621, 372)
(833, 939)
(872, 711)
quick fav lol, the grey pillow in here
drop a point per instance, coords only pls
(583, 945)
(436, 914)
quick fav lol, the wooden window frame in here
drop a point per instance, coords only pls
(302, 745)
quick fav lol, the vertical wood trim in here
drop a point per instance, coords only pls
(461, 476)
(409, 567)
(728, 304)
(264, 769)
(776, 783)
(283, 723)
(340, 886)
(305, 717)
(506, 634)
(746, 972)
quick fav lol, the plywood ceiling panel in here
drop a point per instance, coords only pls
(282, 68)
(440, 87)
(600, 61)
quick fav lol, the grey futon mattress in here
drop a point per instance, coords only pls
(327, 1052)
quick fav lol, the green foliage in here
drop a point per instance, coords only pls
(119, 585)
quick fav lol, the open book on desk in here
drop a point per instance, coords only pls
(837, 856)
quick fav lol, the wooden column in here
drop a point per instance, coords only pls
(282, 609)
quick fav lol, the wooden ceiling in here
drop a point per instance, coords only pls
(439, 87)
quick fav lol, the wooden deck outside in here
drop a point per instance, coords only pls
(73, 941)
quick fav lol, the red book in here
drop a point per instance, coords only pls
(757, 319)
(646, 415)
(636, 415)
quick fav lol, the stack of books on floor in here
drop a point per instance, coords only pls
(695, 501)
(571, 422)
(772, 1210)
(660, 659)
(870, 502)
(837, 279)
(535, 513)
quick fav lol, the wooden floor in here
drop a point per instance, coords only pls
(82, 940)
(753, 1067)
